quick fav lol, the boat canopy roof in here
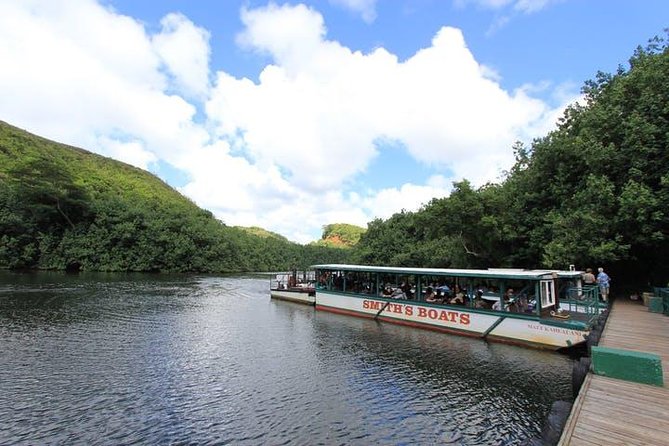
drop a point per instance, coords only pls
(493, 273)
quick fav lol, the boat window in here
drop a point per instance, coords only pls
(360, 282)
(324, 281)
(396, 286)
(547, 293)
(440, 286)
(337, 281)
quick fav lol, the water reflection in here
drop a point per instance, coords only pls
(119, 359)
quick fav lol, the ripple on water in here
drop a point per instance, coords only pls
(114, 359)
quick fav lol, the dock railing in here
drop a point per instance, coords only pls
(664, 294)
(585, 300)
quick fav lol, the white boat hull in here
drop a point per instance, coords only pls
(456, 319)
(299, 296)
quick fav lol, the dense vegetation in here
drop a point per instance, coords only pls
(66, 208)
(593, 192)
(340, 235)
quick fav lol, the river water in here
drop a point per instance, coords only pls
(149, 359)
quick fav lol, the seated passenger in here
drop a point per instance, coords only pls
(429, 295)
(458, 298)
(397, 294)
(439, 297)
(513, 307)
(504, 304)
(522, 304)
(406, 289)
(387, 291)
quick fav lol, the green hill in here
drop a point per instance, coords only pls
(340, 235)
(260, 232)
(62, 207)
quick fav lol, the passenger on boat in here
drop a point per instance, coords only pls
(338, 282)
(430, 296)
(458, 298)
(502, 303)
(513, 306)
(397, 294)
(521, 301)
(406, 289)
(479, 302)
(444, 289)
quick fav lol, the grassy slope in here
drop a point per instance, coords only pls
(100, 176)
(127, 218)
(260, 232)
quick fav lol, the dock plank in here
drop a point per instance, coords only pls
(608, 411)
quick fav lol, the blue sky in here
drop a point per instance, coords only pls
(291, 116)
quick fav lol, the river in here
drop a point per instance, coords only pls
(158, 359)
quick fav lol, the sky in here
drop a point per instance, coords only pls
(292, 116)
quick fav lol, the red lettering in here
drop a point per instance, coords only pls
(443, 316)
(432, 313)
(452, 315)
(365, 304)
(408, 310)
(464, 319)
(422, 312)
(397, 308)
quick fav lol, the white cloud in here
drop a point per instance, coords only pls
(320, 107)
(184, 48)
(366, 8)
(132, 152)
(524, 6)
(531, 6)
(77, 71)
(280, 153)
(506, 10)
(409, 197)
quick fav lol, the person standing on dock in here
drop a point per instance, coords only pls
(603, 280)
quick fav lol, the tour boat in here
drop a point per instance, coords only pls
(294, 287)
(539, 308)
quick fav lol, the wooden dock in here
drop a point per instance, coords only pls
(609, 411)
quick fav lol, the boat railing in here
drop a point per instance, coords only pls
(583, 300)
(292, 279)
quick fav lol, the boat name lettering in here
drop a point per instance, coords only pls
(420, 312)
(552, 329)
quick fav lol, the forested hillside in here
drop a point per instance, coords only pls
(65, 208)
(340, 235)
(593, 192)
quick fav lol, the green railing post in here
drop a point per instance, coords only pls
(585, 299)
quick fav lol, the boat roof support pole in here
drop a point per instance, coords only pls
(493, 326)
